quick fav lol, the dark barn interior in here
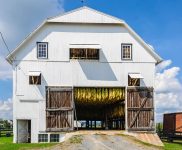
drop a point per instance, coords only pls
(100, 108)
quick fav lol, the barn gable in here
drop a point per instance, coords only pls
(86, 15)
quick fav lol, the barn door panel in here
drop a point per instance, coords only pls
(22, 133)
(140, 109)
(59, 109)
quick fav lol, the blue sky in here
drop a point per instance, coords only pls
(158, 22)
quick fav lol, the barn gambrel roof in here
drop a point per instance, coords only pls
(87, 15)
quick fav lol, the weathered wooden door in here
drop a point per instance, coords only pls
(59, 109)
(140, 109)
(22, 131)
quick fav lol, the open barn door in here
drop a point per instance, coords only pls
(59, 109)
(100, 107)
(140, 109)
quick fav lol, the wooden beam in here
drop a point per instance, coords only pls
(141, 129)
(60, 109)
(138, 108)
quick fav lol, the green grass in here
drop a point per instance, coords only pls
(175, 145)
(6, 144)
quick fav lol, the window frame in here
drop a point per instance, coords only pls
(42, 139)
(131, 51)
(38, 50)
(39, 80)
(138, 84)
(52, 139)
(86, 58)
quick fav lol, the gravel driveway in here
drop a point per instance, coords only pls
(101, 142)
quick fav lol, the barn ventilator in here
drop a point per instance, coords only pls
(100, 107)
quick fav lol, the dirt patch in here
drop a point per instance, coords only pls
(102, 142)
(77, 139)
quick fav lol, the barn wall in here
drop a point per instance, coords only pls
(79, 74)
(60, 36)
(70, 74)
(58, 70)
(29, 110)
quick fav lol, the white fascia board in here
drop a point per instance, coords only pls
(93, 46)
(135, 76)
(148, 48)
(34, 73)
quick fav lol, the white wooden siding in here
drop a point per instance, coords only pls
(61, 36)
(59, 70)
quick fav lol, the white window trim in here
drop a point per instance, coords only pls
(130, 45)
(39, 43)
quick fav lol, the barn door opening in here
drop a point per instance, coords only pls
(59, 109)
(140, 109)
(23, 131)
(100, 108)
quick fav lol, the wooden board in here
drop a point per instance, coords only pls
(140, 109)
(59, 109)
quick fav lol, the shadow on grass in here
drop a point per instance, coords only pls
(174, 142)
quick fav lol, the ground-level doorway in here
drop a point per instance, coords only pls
(23, 131)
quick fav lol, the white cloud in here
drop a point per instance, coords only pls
(163, 65)
(19, 18)
(6, 109)
(167, 80)
(168, 89)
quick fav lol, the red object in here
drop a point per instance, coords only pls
(172, 122)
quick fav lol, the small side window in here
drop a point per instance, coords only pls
(42, 50)
(34, 78)
(54, 138)
(126, 51)
(133, 81)
(43, 138)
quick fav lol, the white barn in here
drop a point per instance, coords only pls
(82, 65)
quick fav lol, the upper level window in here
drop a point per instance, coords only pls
(84, 53)
(42, 50)
(126, 50)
